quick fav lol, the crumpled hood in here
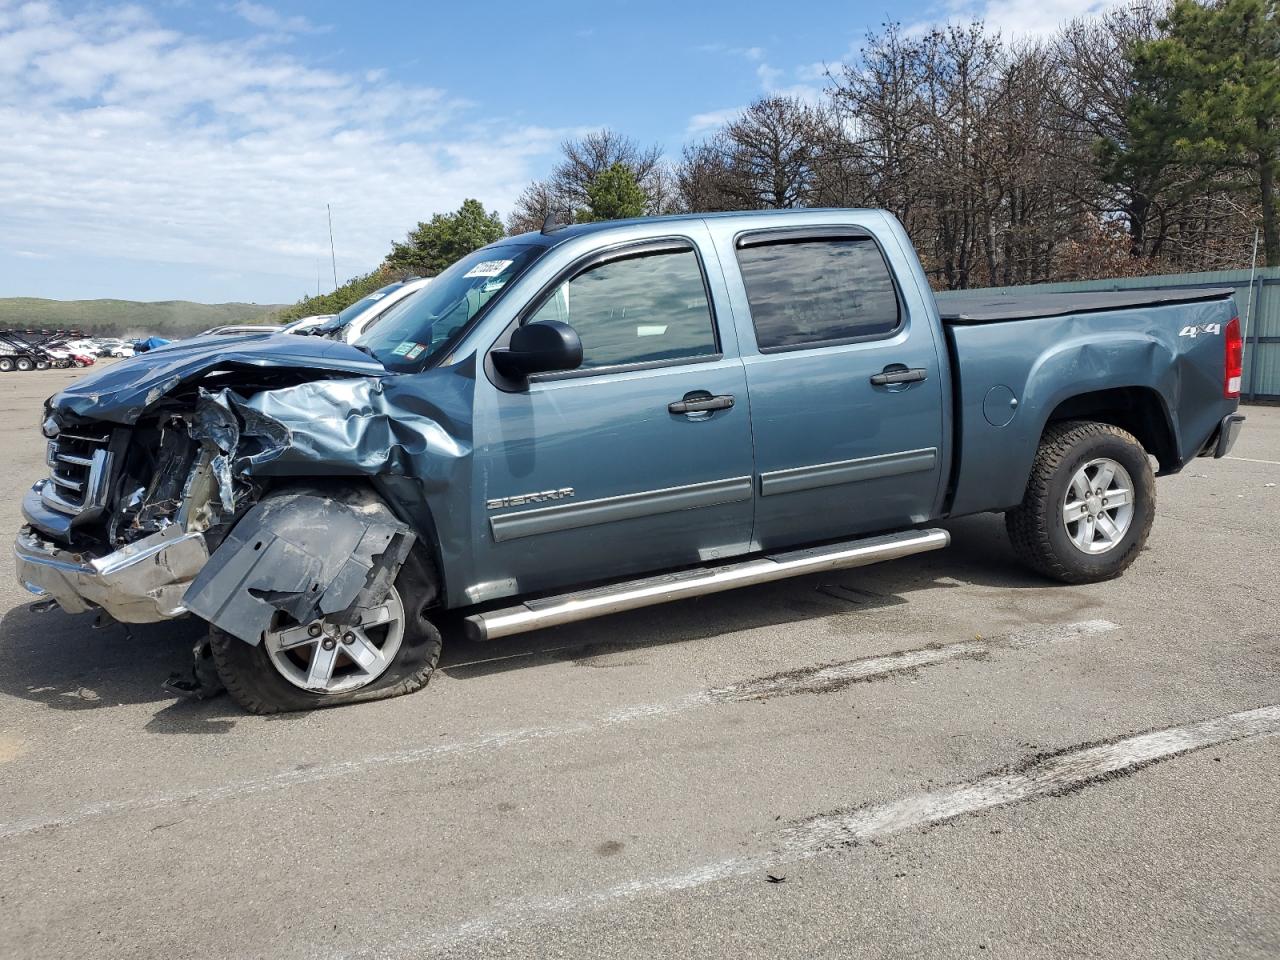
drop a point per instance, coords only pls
(122, 391)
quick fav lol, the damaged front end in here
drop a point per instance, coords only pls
(156, 504)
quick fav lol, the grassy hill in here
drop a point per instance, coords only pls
(167, 318)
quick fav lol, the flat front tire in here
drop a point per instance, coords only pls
(1089, 504)
(393, 650)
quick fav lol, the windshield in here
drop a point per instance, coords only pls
(414, 331)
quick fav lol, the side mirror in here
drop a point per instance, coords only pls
(541, 347)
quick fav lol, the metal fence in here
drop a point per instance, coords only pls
(1259, 307)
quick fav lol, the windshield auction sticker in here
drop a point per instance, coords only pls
(488, 268)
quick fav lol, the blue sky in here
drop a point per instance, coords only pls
(185, 149)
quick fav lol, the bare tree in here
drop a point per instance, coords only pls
(1007, 161)
(771, 152)
(700, 178)
(536, 201)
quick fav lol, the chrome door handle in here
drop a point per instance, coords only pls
(699, 403)
(899, 374)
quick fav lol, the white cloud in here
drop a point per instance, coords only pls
(126, 139)
(268, 19)
(1033, 18)
(1016, 19)
(701, 124)
(797, 82)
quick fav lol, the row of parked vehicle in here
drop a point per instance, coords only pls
(349, 325)
(24, 350)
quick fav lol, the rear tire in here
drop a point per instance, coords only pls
(1089, 504)
(6, 364)
(259, 685)
(23, 363)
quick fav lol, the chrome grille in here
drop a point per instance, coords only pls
(80, 470)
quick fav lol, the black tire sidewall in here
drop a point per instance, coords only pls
(1134, 459)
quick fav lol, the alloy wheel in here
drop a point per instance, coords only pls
(324, 657)
(1097, 510)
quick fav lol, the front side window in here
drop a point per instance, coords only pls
(641, 309)
(815, 291)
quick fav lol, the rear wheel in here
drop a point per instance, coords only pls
(392, 650)
(1089, 504)
(6, 364)
(24, 364)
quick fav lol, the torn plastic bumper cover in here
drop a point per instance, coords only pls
(311, 555)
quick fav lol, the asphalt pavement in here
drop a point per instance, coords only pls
(943, 756)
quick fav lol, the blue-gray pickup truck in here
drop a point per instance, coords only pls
(598, 417)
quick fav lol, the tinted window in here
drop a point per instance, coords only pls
(640, 309)
(813, 291)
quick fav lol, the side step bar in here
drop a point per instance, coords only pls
(566, 608)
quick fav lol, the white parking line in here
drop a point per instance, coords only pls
(1274, 463)
(812, 680)
(1051, 776)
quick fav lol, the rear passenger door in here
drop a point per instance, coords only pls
(845, 386)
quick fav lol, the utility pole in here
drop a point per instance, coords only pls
(332, 256)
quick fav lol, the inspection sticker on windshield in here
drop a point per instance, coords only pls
(408, 348)
(488, 268)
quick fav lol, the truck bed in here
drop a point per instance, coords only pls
(956, 307)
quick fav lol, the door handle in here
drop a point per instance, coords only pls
(899, 374)
(701, 402)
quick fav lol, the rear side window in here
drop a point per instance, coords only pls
(638, 310)
(805, 292)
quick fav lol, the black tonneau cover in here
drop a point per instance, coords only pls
(956, 307)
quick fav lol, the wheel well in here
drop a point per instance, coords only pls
(1136, 409)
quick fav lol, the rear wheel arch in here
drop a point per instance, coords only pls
(1140, 411)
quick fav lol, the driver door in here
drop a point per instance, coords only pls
(600, 472)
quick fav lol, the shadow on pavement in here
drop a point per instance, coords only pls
(63, 662)
(979, 554)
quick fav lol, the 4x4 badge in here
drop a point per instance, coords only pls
(562, 494)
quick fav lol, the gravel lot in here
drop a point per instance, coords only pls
(623, 788)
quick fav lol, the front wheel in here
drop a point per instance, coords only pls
(1089, 504)
(393, 650)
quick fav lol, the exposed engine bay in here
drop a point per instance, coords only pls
(169, 514)
(186, 462)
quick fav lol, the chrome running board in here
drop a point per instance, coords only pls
(585, 604)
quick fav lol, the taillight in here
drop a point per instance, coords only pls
(1235, 361)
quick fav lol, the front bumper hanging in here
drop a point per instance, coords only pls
(141, 583)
